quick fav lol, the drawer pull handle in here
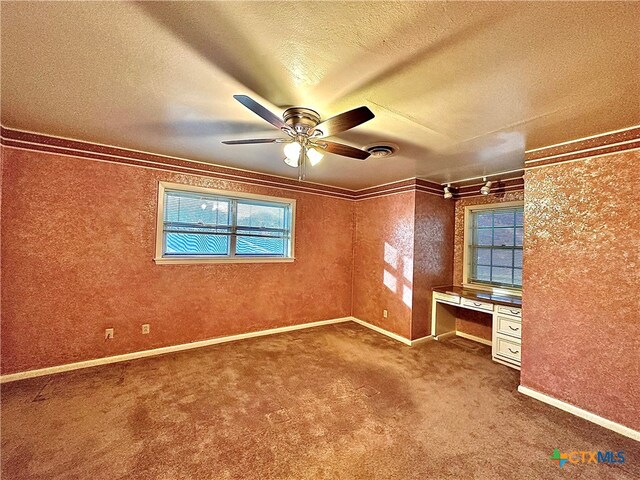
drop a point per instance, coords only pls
(515, 329)
(477, 304)
(517, 351)
(515, 312)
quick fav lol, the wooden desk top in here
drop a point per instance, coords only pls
(479, 295)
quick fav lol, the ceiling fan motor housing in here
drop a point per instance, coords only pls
(301, 119)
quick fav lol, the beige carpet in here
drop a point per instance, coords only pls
(336, 402)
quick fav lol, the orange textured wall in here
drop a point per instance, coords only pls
(403, 246)
(77, 247)
(433, 256)
(383, 261)
(468, 321)
(581, 295)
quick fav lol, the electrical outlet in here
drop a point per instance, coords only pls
(108, 334)
(145, 329)
(385, 314)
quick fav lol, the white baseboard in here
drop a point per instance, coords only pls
(579, 412)
(421, 340)
(474, 338)
(12, 377)
(442, 336)
(389, 334)
(162, 350)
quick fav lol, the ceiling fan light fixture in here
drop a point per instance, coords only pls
(292, 152)
(314, 156)
(292, 162)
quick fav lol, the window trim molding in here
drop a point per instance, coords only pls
(159, 259)
(465, 250)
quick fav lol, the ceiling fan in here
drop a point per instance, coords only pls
(306, 133)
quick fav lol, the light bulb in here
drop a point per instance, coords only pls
(314, 156)
(292, 152)
(291, 163)
(447, 192)
(486, 188)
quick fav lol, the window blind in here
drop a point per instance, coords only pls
(197, 224)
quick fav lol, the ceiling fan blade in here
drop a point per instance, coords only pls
(344, 121)
(250, 140)
(344, 150)
(262, 112)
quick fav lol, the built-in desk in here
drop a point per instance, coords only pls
(506, 310)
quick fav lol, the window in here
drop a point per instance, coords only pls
(203, 225)
(493, 239)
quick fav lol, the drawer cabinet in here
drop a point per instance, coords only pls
(508, 326)
(474, 304)
(508, 348)
(507, 335)
(446, 297)
(516, 312)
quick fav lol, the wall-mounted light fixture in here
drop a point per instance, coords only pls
(447, 191)
(486, 188)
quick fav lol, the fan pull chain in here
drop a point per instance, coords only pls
(302, 164)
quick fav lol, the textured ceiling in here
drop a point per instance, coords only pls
(462, 88)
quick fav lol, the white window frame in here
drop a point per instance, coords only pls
(161, 260)
(466, 250)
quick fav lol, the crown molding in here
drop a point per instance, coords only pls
(582, 148)
(94, 151)
(105, 153)
(597, 145)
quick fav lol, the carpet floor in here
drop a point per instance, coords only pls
(333, 402)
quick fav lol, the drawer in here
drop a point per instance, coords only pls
(508, 326)
(447, 297)
(508, 348)
(516, 312)
(477, 305)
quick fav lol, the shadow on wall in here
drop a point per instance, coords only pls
(398, 274)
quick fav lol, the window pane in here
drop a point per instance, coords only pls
(198, 223)
(260, 246)
(497, 227)
(255, 215)
(484, 236)
(503, 237)
(502, 258)
(196, 244)
(501, 275)
(503, 218)
(517, 258)
(484, 219)
(483, 274)
(187, 207)
(517, 277)
(519, 236)
(483, 256)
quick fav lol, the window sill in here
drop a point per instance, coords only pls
(195, 261)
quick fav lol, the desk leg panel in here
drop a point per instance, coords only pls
(443, 319)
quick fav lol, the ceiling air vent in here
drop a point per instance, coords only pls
(381, 150)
